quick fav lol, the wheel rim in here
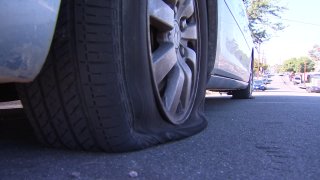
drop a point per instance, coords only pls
(173, 30)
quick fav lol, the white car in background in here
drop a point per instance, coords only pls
(297, 79)
(313, 82)
(313, 86)
(117, 75)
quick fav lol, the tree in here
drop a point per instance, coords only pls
(277, 68)
(259, 65)
(264, 19)
(298, 64)
(314, 53)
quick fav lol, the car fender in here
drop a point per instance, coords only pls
(26, 32)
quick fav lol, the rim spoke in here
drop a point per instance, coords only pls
(191, 58)
(174, 45)
(187, 87)
(161, 15)
(186, 9)
(174, 89)
(190, 32)
(164, 58)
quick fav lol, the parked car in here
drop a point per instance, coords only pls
(259, 85)
(265, 79)
(120, 75)
(313, 89)
(314, 85)
(297, 79)
(312, 75)
(234, 54)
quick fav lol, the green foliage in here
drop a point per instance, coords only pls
(277, 68)
(297, 65)
(259, 65)
(264, 19)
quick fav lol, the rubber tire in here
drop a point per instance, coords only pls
(95, 91)
(308, 90)
(244, 93)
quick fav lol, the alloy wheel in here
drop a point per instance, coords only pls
(174, 45)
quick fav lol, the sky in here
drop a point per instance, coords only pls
(302, 19)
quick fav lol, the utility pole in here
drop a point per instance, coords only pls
(304, 75)
(259, 58)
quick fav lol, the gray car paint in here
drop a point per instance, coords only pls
(26, 31)
(234, 48)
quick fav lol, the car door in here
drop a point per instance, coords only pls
(234, 47)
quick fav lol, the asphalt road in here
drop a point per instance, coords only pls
(274, 136)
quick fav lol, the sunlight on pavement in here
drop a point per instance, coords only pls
(279, 86)
(11, 105)
(266, 93)
(270, 93)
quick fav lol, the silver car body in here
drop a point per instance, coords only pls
(27, 27)
(234, 52)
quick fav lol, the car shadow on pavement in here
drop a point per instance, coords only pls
(15, 128)
(272, 88)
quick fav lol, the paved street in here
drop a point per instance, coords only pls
(274, 136)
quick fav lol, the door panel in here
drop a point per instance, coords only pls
(233, 58)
